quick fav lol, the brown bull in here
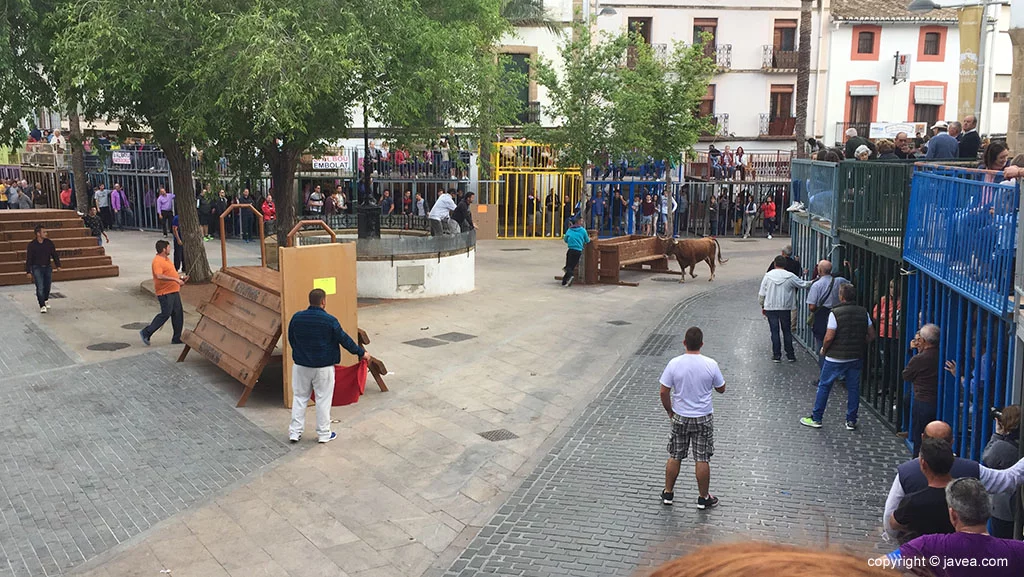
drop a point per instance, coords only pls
(690, 251)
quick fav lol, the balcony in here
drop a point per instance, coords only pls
(661, 51)
(719, 127)
(723, 56)
(781, 128)
(773, 60)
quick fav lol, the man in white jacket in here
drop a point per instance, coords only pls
(778, 299)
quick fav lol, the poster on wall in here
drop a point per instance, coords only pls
(970, 39)
(891, 129)
(332, 163)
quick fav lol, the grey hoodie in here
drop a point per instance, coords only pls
(778, 290)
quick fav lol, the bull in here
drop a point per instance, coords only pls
(690, 251)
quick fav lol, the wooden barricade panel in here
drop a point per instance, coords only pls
(328, 266)
(240, 324)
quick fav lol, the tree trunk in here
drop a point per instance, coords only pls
(803, 78)
(78, 159)
(282, 162)
(197, 266)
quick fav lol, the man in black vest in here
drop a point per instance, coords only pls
(849, 330)
(910, 479)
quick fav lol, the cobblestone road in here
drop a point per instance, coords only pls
(93, 455)
(591, 507)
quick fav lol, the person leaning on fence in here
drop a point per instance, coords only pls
(315, 337)
(575, 238)
(922, 371)
(1001, 452)
(777, 297)
(440, 215)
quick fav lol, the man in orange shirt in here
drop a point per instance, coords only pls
(167, 284)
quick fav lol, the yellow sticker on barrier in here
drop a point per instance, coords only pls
(328, 285)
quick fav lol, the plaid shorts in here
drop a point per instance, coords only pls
(698, 432)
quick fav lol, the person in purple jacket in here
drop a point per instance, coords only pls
(165, 209)
(970, 550)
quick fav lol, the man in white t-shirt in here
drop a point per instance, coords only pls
(686, 388)
(440, 215)
(849, 331)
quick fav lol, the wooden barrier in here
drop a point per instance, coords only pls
(632, 252)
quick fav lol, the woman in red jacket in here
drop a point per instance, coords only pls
(269, 211)
(768, 208)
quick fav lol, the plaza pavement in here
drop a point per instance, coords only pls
(410, 483)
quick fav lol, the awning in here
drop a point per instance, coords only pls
(929, 95)
(864, 90)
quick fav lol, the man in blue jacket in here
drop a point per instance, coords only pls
(314, 336)
(576, 237)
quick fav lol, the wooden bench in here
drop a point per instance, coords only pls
(632, 252)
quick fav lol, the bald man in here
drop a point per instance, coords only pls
(822, 297)
(970, 141)
(910, 479)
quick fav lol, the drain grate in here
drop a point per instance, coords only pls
(425, 343)
(56, 295)
(619, 323)
(108, 346)
(656, 345)
(135, 326)
(455, 337)
(499, 435)
(513, 249)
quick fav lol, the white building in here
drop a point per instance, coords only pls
(753, 95)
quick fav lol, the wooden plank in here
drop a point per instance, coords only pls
(243, 374)
(254, 293)
(265, 278)
(256, 335)
(243, 351)
(261, 317)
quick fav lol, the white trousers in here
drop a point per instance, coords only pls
(306, 380)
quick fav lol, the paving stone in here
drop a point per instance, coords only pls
(591, 506)
(96, 454)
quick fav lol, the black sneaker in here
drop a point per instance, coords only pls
(776, 359)
(666, 497)
(851, 425)
(708, 503)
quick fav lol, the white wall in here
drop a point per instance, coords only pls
(893, 100)
(448, 275)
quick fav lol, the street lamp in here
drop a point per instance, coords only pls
(606, 11)
(923, 6)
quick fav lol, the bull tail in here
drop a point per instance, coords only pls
(720, 259)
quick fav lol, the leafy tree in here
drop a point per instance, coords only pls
(655, 105)
(136, 62)
(529, 14)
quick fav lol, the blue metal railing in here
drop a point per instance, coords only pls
(961, 230)
(814, 183)
(980, 347)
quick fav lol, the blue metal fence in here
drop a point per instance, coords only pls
(810, 245)
(961, 230)
(814, 184)
(975, 353)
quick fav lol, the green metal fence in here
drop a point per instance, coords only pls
(872, 204)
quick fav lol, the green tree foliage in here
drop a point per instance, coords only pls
(23, 58)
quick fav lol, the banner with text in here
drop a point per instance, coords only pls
(970, 40)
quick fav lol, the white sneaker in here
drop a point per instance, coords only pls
(795, 207)
(47, 305)
(769, 237)
(42, 309)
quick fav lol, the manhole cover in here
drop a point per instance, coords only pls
(108, 346)
(656, 345)
(499, 435)
(455, 337)
(665, 278)
(425, 343)
(56, 295)
(135, 326)
(619, 323)
(513, 249)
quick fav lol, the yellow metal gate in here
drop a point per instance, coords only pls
(535, 197)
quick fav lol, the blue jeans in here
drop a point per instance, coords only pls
(170, 308)
(830, 372)
(43, 277)
(781, 321)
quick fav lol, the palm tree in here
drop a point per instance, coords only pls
(529, 14)
(803, 77)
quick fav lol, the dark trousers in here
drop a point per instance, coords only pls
(247, 225)
(1001, 528)
(166, 217)
(107, 216)
(179, 256)
(781, 321)
(921, 414)
(769, 225)
(572, 258)
(170, 308)
(43, 277)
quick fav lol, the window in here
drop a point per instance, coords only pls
(931, 44)
(709, 26)
(927, 101)
(860, 109)
(866, 39)
(865, 42)
(1000, 97)
(785, 36)
(521, 63)
(781, 102)
(707, 104)
(927, 113)
(641, 26)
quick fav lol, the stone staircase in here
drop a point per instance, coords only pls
(80, 256)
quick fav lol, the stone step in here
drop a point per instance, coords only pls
(69, 263)
(27, 234)
(20, 254)
(18, 278)
(60, 243)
